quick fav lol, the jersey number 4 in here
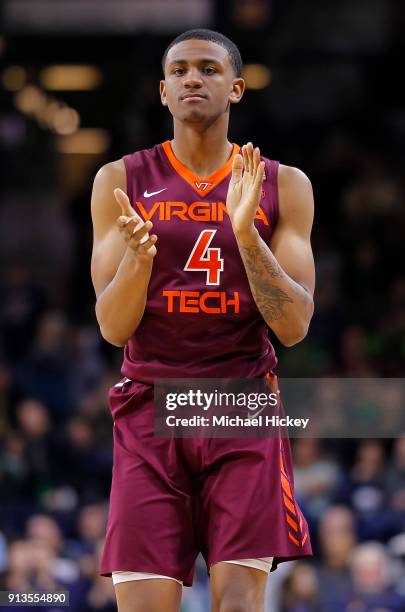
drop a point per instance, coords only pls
(205, 258)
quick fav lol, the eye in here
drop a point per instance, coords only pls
(178, 71)
(209, 70)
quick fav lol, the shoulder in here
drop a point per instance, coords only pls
(112, 173)
(290, 178)
(117, 170)
(295, 192)
(104, 208)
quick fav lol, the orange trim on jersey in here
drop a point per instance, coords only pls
(286, 486)
(289, 505)
(294, 539)
(291, 522)
(201, 185)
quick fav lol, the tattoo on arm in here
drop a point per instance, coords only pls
(270, 298)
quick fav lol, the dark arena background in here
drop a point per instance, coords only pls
(79, 87)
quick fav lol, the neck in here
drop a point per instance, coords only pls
(202, 150)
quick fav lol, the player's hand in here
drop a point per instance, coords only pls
(134, 229)
(245, 189)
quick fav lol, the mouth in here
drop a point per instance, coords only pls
(193, 96)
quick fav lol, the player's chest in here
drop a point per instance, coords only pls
(186, 220)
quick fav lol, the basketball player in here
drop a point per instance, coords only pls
(195, 298)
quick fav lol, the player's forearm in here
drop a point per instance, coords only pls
(284, 304)
(120, 307)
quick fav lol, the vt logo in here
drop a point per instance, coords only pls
(202, 186)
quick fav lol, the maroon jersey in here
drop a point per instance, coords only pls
(200, 318)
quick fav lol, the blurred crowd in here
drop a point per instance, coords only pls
(332, 109)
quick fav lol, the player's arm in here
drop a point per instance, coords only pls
(282, 275)
(121, 265)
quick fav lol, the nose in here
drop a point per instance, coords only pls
(192, 79)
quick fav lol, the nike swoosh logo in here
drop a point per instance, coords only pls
(152, 193)
(253, 416)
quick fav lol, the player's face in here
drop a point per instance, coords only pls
(199, 81)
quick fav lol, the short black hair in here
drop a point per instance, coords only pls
(220, 39)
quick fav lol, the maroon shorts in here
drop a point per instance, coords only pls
(174, 497)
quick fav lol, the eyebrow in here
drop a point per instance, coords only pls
(202, 61)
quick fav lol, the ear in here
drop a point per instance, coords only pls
(162, 89)
(238, 88)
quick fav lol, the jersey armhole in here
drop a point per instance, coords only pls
(129, 175)
(272, 177)
(276, 193)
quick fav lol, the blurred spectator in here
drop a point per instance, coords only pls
(91, 526)
(13, 465)
(45, 532)
(3, 554)
(315, 476)
(100, 596)
(395, 480)
(363, 490)
(43, 528)
(8, 398)
(355, 361)
(29, 564)
(33, 565)
(391, 327)
(301, 590)
(87, 466)
(396, 548)
(93, 407)
(373, 587)
(337, 537)
(46, 373)
(22, 301)
(88, 364)
(35, 426)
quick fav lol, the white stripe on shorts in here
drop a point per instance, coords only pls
(263, 563)
(126, 576)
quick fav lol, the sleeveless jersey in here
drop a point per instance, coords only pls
(200, 318)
